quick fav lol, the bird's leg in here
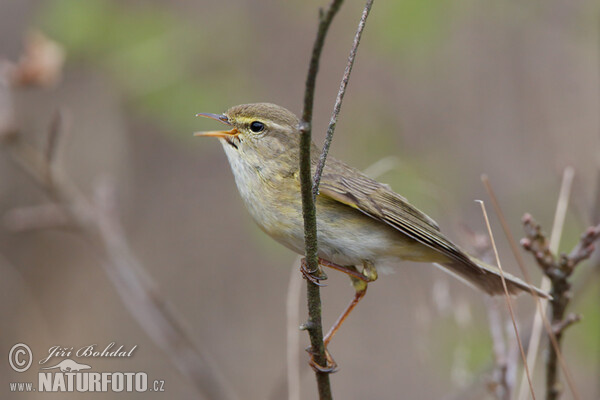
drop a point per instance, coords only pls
(360, 282)
(348, 270)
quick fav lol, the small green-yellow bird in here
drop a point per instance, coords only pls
(360, 222)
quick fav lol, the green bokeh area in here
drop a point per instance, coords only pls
(410, 26)
(154, 56)
(474, 346)
(585, 336)
(170, 67)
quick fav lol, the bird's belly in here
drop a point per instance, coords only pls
(349, 237)
(345, 235)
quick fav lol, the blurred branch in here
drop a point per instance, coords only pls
(47, 216)
(541, 304)
(507, 297)
(558, 270)
(502, 382)
(500, 387)
(55, 130)
(96, 220)
(589, 275)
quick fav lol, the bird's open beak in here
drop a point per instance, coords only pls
(220, 134)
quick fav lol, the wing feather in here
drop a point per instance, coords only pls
(349, 186)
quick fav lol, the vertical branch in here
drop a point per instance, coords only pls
(314, 325)
(309, 187)
(558, 270)
(545, 259)
(557, 228)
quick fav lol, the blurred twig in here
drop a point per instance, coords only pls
(587, 277)
(505, 354)
(501, 387)
(96, 220)
(508, 301)
(540, 313)
(557, 228)
(558, 270)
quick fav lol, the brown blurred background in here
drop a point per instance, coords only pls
(450, 90)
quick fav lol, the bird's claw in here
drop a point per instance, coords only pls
(331, 366)
(312, 276)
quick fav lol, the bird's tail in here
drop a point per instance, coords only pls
(487, 278)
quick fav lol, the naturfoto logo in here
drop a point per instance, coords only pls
(68, 375)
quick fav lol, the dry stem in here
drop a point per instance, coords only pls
(558, 270)
(507, 296)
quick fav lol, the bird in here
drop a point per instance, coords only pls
(361, 223)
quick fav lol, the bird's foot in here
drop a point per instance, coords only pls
(330, 367)
(313, 276)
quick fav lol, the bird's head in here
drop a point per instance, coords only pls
(259, 130)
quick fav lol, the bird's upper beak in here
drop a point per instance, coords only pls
(220, 134)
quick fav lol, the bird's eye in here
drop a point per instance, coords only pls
(257, 126)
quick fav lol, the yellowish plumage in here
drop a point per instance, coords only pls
(359, 220)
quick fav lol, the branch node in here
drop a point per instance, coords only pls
(559, 327)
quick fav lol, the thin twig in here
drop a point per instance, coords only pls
(505, 357)
(501, 388)
(507, 296)
(314, 324)
(54, 132)
(340, 98)
(558, 271)
(557, 228)
(565, 323)
(47, 216)
(595, 215)
(542, 315)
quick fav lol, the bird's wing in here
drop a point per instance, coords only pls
(349, 186)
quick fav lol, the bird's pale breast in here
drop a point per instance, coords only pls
(346, 236)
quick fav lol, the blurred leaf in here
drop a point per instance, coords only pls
(79, 25)
(585, 335)
(92, 26)
(152, 56)
(448, 336)
(177, 104)
(406, 25)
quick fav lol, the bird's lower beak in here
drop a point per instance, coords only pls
(219, 134)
